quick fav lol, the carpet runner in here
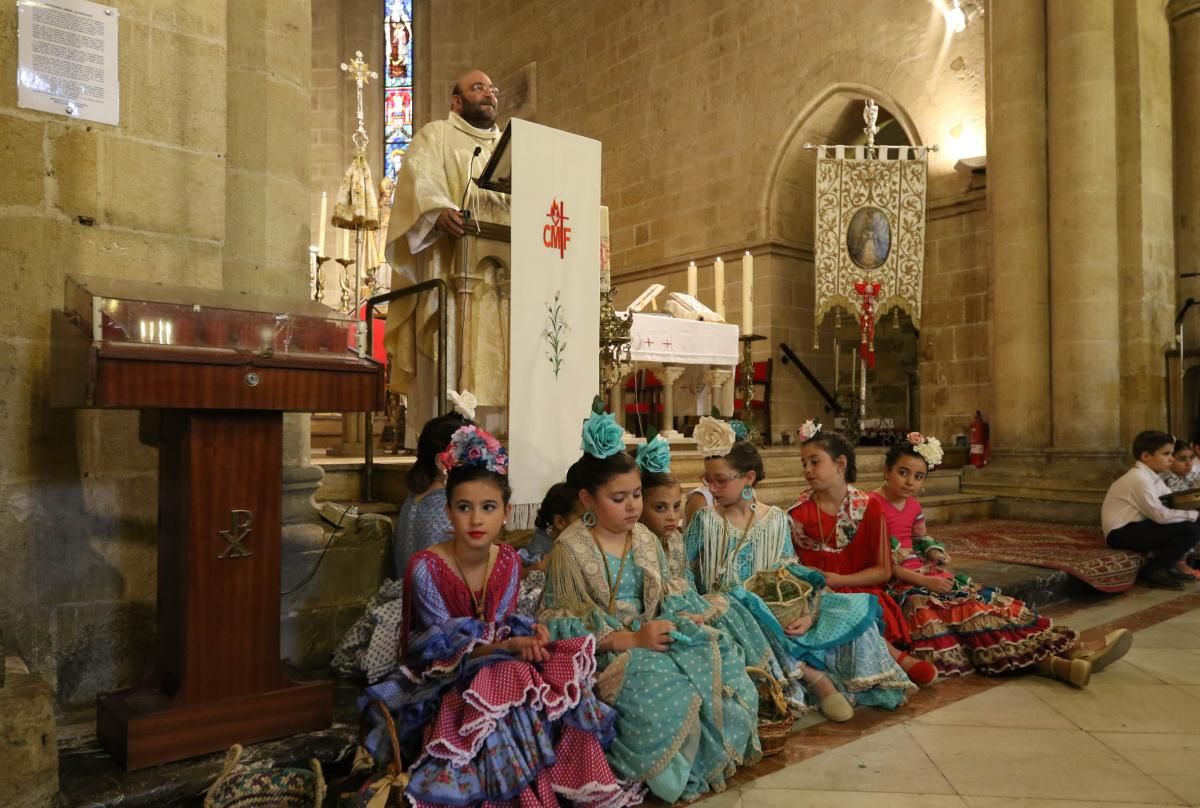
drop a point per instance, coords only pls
(1077, 550)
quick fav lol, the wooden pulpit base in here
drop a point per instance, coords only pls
(220, 677)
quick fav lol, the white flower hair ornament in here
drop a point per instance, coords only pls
(927, 446)
(808, 430)
(464, 403)
(714, 437)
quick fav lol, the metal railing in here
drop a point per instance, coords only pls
(831, 402)
(443, 325)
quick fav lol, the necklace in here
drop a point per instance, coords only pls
(612, 586)
(730, 557)
(477, 603)
(827, 541)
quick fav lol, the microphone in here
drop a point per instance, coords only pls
(1187, 304)
(466, 214)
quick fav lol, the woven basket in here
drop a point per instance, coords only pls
(393, 780)
(774, 719)
(789, 598)
(266, 787)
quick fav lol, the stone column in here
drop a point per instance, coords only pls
(670, 375)
(1085, 327)
(1184, 17)
(1016, 131)
(717, 378)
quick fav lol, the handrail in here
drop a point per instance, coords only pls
(443, 325)
(831, 402)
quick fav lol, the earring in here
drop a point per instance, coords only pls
(588, 519)
(748, 492)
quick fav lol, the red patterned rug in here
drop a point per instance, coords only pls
(1076, 550)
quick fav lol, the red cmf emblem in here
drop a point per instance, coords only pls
(557, 235)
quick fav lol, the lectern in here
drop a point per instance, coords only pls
(212, 374)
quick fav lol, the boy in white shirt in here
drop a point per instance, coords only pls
(1133, 517)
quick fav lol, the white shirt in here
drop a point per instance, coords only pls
(1134, 497)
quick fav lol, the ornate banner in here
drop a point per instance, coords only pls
(870, 232)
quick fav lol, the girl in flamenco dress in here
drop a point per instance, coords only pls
(501, 715)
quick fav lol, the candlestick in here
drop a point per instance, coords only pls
(719, 283)
(691, 278)
(321, 223)
(747, 293)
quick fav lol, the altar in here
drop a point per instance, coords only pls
(695, 361)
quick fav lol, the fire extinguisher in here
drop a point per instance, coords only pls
(981, 442)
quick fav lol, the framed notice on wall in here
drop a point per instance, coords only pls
(67, 59)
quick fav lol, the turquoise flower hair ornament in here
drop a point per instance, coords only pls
(714, 437)
(602, 435)
(471, 446)
(654, 455)
(740, 432)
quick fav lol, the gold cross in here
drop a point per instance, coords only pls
(357, 70)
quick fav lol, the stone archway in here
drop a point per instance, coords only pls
(788, 214)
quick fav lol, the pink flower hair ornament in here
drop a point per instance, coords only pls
(471, 446)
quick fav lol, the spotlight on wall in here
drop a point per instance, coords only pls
(956, 18)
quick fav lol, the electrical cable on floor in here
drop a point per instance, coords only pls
(337, 529)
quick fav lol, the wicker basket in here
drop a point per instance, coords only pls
(1182, 500)
(774, 719)
(789, 598)
(386, 789)
(265, 787)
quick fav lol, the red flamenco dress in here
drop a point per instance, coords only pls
(493, 730)
(850, 542)
(971, 627)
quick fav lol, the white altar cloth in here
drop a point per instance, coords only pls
(674, 341)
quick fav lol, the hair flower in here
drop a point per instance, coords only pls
(602, 435)
(464, 404)
(654, 455)
(929, 448)
(471, 446)
(808, 430)
(739, 429)
(714, 437)
(915, 438)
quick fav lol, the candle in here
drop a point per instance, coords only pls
(346, 244)
(747, 293)
(692, 286)
(321, 223)
(719, 283)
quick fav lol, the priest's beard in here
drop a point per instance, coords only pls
(479, 115)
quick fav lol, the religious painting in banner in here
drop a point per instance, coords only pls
(397, 83)
(870, 231)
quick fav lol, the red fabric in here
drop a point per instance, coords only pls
(454, 590)
(867, 548)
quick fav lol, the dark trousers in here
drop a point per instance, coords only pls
(1168, 543)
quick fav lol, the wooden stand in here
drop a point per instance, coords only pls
(216, 416)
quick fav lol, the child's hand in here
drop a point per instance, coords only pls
(655, 635)
(942, 586)
(798, 626)
(530, 649)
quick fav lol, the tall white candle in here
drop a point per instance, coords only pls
(321, 223)
(719, 284)
(605, 251)
(346, 244)
(747, 293)
(693, 285)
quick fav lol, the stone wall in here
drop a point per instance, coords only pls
(197, 186)
(703, 109)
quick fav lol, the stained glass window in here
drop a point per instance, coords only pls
(397, 82)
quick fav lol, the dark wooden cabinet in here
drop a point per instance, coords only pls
(214, 406)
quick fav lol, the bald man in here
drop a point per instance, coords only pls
(422, 234)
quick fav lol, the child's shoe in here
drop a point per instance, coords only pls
(1076, 672)
(920, 672)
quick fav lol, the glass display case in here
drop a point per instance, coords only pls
(156, 314)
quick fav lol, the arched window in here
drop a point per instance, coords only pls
(397, 82)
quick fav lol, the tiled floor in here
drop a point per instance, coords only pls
(1130, 740)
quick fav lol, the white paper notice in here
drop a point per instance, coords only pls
(67, 59)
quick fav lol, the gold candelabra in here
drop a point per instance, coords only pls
(745, 386)
(615, 359)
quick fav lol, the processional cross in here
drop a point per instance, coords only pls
(357, 70)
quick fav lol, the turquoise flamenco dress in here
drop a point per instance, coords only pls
(687, 716)
(844, 640)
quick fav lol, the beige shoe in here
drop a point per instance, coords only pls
(1116, 645)
(1076, 672)
(835, 707)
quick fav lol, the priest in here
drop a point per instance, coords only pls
(423, 232)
